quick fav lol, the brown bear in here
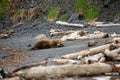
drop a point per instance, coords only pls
(45, 44)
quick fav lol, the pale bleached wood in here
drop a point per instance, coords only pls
(86, 52)
(64, 70)
(112, 74)
(94, 58)
(69, 24)
(4, 36)
(75, 36)
(59, 32)
(67, 61)
(103, 24)
(109, 24)
(13, 78)
(114, 54)
(85, 60)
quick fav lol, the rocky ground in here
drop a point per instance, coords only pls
(25, 33)
(24, 37)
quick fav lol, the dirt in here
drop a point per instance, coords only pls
(12, 60)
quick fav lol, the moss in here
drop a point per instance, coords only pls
(63, 17)
(89, 11)
(53, 13)
(4, 7)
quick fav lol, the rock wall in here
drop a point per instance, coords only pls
(108, 8)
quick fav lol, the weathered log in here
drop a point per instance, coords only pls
(103, 24)
(43, 63)
(112, 74)
(109, 24)
(114, 54)
(74, 36)
(64, 70)
(55, 30)
(67, 61)
(102, 78)
(4, 36)
(87, 52)
(12, 78)
(94, 58)
(86, 60)
(58, 33)
(69, 24)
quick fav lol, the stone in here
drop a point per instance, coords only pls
(40, 37)
(76, 17)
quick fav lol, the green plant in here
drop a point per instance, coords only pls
(63, 17)
(81, 5)
(4, 7)
(20, 11)
(118, 15)
(53, 13)
(89, 11)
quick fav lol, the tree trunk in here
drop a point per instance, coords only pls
(64, 70)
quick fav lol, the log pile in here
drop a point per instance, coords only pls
(98, 60)
(79, 34)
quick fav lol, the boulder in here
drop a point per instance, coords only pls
(40, 37)
(76, 17)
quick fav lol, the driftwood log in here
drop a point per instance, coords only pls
(4, 36)
(114, 54)
(91, 51)
(85, 60)
(97, 24)
(35, 73)
(69, 24)
(94, 58)
(74, 36)
(103, 24)
(13, 78)
(57, 32)
(67, 61)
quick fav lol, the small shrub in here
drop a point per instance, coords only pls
(81, 5)
(63, 17)
(35, 13)
(89, 11)
(53, 14)
(20, 15)
(4, 7)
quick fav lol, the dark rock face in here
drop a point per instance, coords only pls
(75, 17)
(108, 9)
